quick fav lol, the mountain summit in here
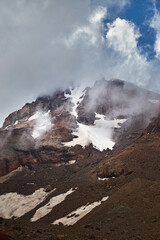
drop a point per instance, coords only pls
(80, 157)
(57, 128)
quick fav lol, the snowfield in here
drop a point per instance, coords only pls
(75, 216)
(99, 134)
(16, 205)
(104, 179)
(76, 96)
(46, 209)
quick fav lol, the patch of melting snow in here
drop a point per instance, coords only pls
(9, 126)
(76, 97)
(42, 123)
(99, 134)
(46, 209)
(11, 174)
(16, 122)
(92, 134)
(104, 179)
(71, 162)
(75, 216)
(16, 205)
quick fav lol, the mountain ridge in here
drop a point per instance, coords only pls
(67, 166)
(40, 130)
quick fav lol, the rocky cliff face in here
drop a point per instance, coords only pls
(35, 133)
(138, 158)
(38, 132)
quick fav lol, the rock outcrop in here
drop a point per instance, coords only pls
(138, 158)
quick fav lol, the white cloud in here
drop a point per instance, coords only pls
(50, 44)
(91, 32)
(33, 59)
(85, 33)
(98, 15)
(155, 24)
(122, 36)
(125, 59)
(117, 4)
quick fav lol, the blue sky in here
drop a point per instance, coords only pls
(140, 12)
(46, 44)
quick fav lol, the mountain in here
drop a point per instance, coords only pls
(87, 157)
(43, 130)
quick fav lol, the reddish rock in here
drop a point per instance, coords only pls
(4, 236)
(139, 157)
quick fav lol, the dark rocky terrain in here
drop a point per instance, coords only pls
(131, 169)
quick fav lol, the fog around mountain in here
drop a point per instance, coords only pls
(47, 45)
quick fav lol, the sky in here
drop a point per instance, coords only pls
(50, 44)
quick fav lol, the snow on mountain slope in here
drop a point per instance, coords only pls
(75, 216)
(100, 134)
(65, 119)
(76, 96)
(16, 205)
(46, 209)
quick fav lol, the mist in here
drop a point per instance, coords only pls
(52, 44)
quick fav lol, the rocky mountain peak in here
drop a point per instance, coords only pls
(65, 154)
(45, 130)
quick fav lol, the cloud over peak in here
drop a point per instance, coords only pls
(98, 15)
(122, 36)
(155, 24)
(49, 44)
(90, 33)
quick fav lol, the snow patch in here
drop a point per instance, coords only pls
(46, 209)
(92, 134)
(11, 174)
(16, 122)
(16, 205)
(99, 134)
(76, 96)
(104, 179)
(42, 123)
(65, 164)
(71, 162)
(9, 126)
(75, 216)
